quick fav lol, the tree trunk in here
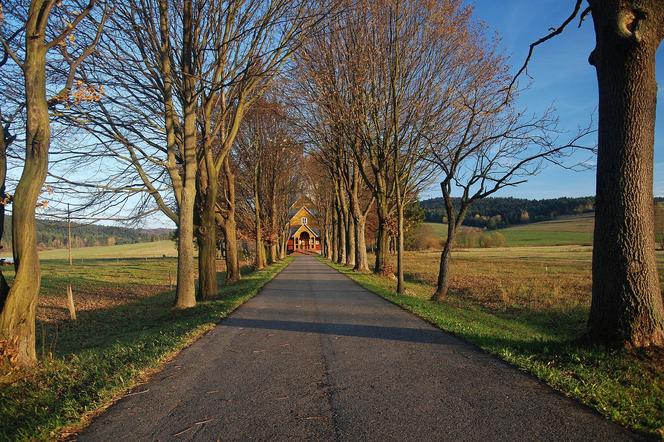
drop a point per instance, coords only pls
(442, 287)
(233, 273)
(341, 233)
(186, 279)
(400, 248)
(350, 241)
(260, 247)
(626, 304)
(382, 240)
(361, 260)
(17, 320)
(284, 244)
(206, 233)
(335, 236)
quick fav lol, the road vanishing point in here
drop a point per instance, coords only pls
(316, 357)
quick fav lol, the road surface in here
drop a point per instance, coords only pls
(316, 357)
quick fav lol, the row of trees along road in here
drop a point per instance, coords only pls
(387, 96)
(400, 91)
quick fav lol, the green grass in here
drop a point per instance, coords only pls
(156, 249)
(107, 351)
(625, 387)
(573, 230)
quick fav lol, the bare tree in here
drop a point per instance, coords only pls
(43, 36)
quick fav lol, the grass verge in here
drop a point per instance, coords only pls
(625, 387)
(105, 353)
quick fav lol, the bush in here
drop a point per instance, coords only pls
(472, 238)
(422, 238)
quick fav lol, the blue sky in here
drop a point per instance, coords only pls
(561, 76)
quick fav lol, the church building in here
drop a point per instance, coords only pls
(304, 231)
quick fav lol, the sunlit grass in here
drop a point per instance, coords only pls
(156, 249)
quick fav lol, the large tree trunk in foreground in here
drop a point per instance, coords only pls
(17, 320)
(626, 302)
(206, 232)
(186, 278)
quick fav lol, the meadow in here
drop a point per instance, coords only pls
(577, 230)
(529, 306)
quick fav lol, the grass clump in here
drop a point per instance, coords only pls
(542, 338)
(106, 352)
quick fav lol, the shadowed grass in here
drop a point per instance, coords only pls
(625, 387)
(106, 352)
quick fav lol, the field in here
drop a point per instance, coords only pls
(529, 306)
(576, 230)
(126, 329)
(157, 249)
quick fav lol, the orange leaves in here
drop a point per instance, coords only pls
(85, 92)
(81, 93)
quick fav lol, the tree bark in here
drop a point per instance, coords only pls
(186, 277)
(626, 304)
(206, 232)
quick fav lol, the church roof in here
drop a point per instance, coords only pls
(294, 210)
(314, 230)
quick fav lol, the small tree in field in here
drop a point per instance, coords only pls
(481, 143)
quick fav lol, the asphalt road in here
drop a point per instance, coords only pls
(316, 357)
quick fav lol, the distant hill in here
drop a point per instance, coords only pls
(53, 234)
(494, 213)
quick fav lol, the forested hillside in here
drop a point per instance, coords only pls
(53, 234)
(495, 213)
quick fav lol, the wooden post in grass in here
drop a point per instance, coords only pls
(70, 293)
(70, 303)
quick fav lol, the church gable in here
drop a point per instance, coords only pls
(304, 216)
